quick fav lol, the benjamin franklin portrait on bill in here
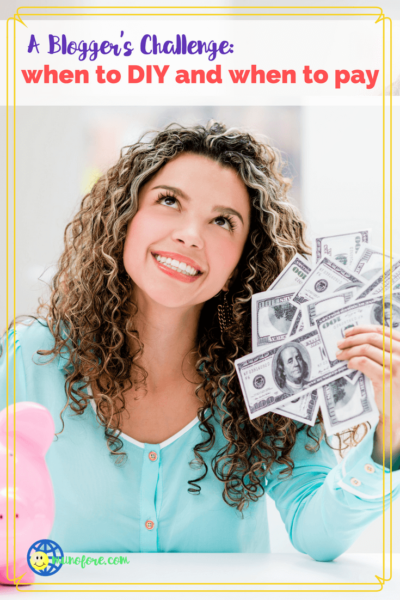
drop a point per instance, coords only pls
(291, 368)
(378, 312)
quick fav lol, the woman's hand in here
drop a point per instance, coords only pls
(367, 350)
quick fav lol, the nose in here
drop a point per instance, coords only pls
(189, 233)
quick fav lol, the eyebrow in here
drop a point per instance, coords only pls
(175, 190)
(178, 192)
(230, 211)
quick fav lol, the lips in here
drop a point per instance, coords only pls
(178, 263)
(179, 275)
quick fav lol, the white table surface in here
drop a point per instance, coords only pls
(204, 575)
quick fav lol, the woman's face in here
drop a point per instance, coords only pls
(184, 243)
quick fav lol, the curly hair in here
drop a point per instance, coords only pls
(280, 368)
(91, 314)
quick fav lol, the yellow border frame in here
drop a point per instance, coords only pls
(381, 17)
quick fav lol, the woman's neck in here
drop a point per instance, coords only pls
(168, 402)
(169, 338)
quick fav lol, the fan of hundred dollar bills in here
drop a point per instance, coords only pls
(297, 323)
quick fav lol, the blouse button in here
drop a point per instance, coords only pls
(153, 456)
(149, 525)
(369, 468)
(355, 482)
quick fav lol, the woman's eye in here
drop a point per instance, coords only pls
(225, 223)
(168, 201)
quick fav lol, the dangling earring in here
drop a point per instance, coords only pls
(225, 316)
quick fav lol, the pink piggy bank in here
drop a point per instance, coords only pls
(34, 497)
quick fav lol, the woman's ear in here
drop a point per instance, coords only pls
(230, 280)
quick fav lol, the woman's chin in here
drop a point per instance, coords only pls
(165, 298)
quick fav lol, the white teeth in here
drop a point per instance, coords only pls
(175, 265)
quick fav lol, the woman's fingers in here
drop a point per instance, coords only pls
(366, 345)
(372, 338)
(372, 329)
(365, 350)
(370, 368)
(369, 343)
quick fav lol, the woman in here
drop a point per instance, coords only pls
(135, 361)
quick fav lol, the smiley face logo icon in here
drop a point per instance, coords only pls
(45, 557)
(39, 560)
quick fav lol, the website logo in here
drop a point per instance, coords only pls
(45, 557)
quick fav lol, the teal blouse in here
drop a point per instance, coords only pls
(145, 506)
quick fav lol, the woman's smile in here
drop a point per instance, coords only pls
(177, 266)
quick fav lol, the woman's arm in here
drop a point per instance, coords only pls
(326, 505)
(378, 357)
(11, 364)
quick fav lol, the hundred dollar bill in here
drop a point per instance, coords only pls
(370, 311)
(369, 262)
(303, 409)
(292, 275)
(342, 247)
(327, 278)
(396, 293)
(348, 403)
(317, 308)
(283, 372)
(375, 288)
(352, 376)
(297, 324)
(271, 316)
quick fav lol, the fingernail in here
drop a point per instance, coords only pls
(338, 352)
(348, 331)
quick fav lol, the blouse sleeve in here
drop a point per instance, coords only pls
(7, 365)
(325, 504)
